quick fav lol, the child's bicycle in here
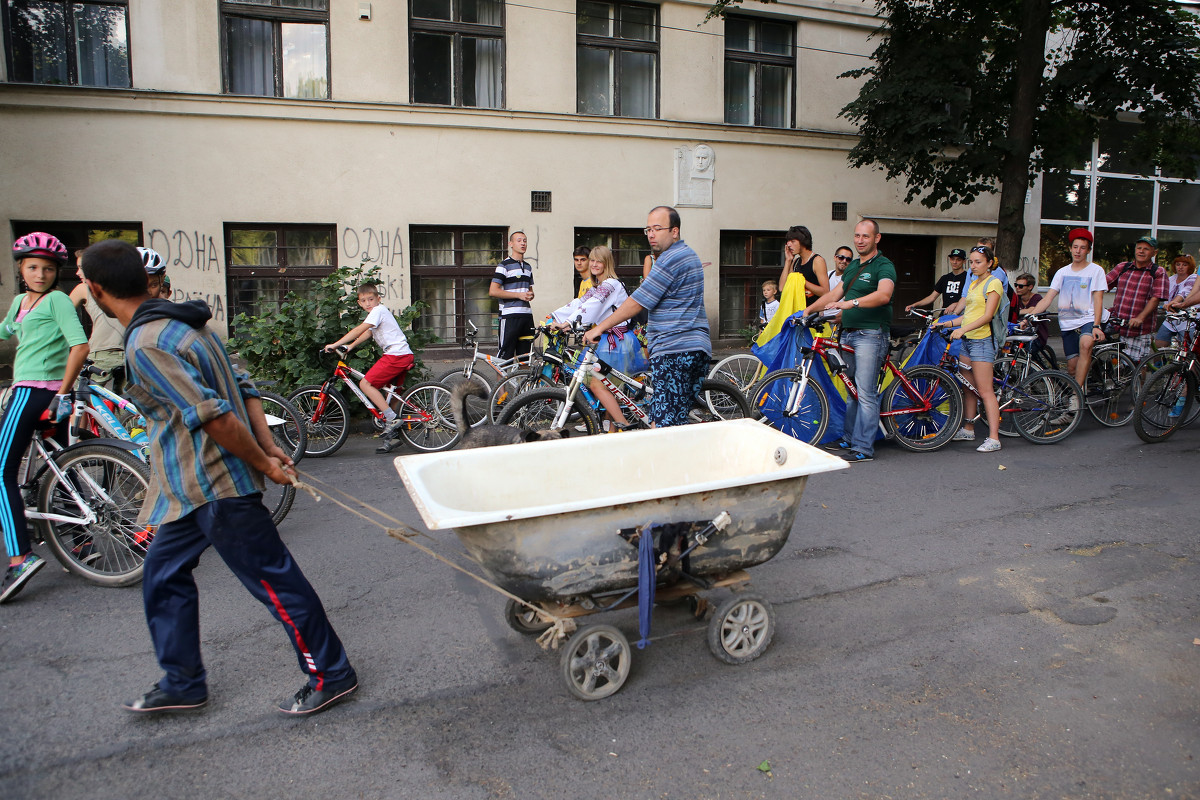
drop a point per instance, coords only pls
(100, 413)
(427, 419)
(84, 500)
(552, 408)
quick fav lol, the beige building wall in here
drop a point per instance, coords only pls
(184, 160)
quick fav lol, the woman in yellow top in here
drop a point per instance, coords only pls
(978, 350)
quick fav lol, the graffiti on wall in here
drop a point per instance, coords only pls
(215, 301)
(193, 250)
(377, 246)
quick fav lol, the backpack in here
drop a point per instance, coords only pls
(999, 321)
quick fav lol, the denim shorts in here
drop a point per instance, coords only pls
(1071, 339)
(979, 349)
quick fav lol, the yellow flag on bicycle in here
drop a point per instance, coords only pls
(791, 301)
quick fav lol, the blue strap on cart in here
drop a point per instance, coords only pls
(647, 577)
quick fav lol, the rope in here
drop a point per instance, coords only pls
(561, 627)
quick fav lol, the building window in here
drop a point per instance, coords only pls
(747, 259)
(629, 247)
(760, 63)
(457, 52)
(75, 236)
(276, 48)
(266, 261)
(77, 44)
(451, 271)
(617, 59)
(1119, 199)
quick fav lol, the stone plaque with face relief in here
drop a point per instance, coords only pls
(695, 171)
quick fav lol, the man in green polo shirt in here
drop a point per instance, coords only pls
(865, 299)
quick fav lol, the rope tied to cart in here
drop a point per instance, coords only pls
(561, 627)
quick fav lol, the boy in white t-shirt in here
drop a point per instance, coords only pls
(1080, 287)
(397, 358)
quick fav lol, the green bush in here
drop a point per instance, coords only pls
(285, 346)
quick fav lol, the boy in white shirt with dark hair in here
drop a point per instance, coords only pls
(397, 358)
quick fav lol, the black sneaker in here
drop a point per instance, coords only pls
(840, 446)
(17, 576)
(311, 701)
(156, 701)
(388, 446)
(855, 457)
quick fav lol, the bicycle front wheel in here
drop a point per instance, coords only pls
(718, 401)
(803, 416)
(427, 418)
(1111, 388)
(112, 484)
(741, 369)
(1152, 364)
(512, 387)
(1164, 404)
(326, 418)
(1007, 374)
(1048, 406)
(537, 409)
(930, 413)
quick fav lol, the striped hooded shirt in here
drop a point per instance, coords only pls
(180, 377)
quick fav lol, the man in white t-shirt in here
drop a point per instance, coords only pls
(1080, 287)
(397, 358)
(841, 259)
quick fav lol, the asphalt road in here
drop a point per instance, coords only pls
(945, 629)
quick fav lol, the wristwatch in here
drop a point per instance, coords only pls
(856, 302)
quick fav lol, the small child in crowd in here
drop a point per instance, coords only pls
(397, 358)
(770, 303)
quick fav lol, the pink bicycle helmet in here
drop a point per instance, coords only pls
(42, 245)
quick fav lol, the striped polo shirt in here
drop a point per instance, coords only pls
(514, 276)
(180, 377)
(674, 297)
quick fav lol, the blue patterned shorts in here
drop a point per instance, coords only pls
(676, 379)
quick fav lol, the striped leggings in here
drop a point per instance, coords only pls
(16, 431)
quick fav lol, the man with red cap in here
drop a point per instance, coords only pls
(1080, 287)
(1141, 285)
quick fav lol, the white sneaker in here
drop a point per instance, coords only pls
(963, 435)
(989, 446)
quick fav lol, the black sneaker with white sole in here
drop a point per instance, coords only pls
(156, 701)
(312, 701)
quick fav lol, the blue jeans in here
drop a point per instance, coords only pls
(241, 531)
(862, 415)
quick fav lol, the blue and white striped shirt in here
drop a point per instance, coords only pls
(674, 296)
(180, 377)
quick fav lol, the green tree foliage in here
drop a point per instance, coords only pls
(284, 346)
(966, 97)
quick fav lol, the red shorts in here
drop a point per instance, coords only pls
(389, 369)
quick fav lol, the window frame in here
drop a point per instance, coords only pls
(457, 30)
(280, 270)
(458, 271)
(759, 60)
(277, 15)
(760, 272)
(618, 45)
(71, 55)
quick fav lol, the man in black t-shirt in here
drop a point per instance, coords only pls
(950, 286)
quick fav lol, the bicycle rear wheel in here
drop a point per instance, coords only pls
(1165, 403)
(477, 407)
(718, 401)
(537, 409)
(427, 415)
(112, 483)
(811, 417)
(1111, 378)
(919, 428)
(1152, 364)
(512, 387)
(1049, 406)
(326, 418)
(1007, 374)
(286, 423)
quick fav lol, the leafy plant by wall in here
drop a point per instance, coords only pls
(285, 346)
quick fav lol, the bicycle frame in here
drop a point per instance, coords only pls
(350, 377)
(586, 366)
(503, 367)
(38, 449)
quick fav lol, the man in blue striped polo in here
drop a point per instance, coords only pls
(209, 450)
(679, 342)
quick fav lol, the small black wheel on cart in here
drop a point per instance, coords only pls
(741, 629)
(595, 662)
(522, 619)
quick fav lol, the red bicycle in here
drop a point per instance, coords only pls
(921, 408)
(427, 418)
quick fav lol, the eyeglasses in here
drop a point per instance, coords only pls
(842, 258)
(654, 229)
(1022, 285)
(980, 249)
